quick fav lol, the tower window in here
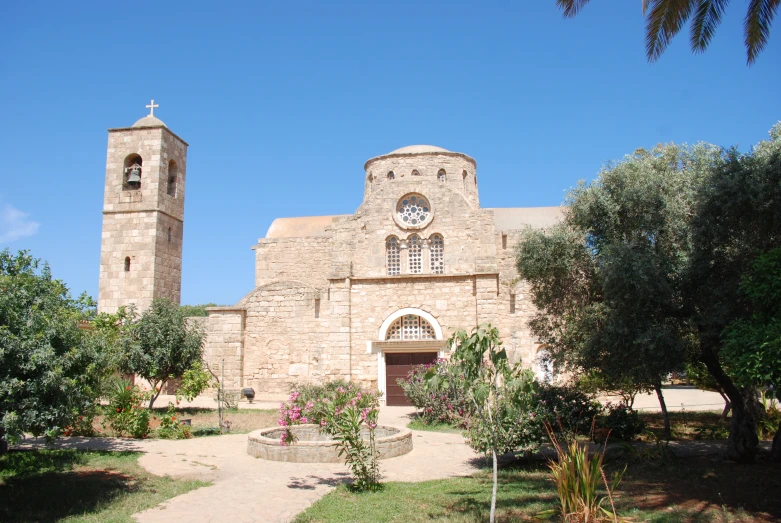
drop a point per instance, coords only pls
(173, 176)
(464, 175)
(392, 257)
(415, 173)
(132, 170)
(415, 251)
(391, 176)
(169, 234)
(127, 264)
(441, 176)
(370, 182)
(437, 248)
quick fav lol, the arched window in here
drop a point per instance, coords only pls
(132, 170)
(169, 234)
(391, 176)
(173, 177)
(464, 175)
(127, 264)
(437, 248)
(415, 258)
(392, 256)
(410, 327)
(441, 176)
(370, 182)
(415, 173)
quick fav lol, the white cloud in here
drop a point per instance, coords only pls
(15, 224)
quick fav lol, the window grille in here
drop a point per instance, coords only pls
(410, 327)
(415, 254)
(437, 248)
(392, 257)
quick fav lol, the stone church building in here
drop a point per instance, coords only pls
(358, 296)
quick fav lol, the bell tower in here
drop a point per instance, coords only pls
(143, 215)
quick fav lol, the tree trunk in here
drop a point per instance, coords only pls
(667, 430)
(775, 451)
(496, 482)
(3, 442)
(743, 442)
(155, 394)
(727, 406)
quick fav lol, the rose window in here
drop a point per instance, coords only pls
(413, 209)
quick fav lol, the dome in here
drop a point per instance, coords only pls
(412, 149)
(149, 121)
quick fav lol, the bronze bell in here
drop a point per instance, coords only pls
(135, 174)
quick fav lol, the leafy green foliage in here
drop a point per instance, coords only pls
(195, 380)
(171, 426)
(619, 421)
(196, 310)
(502, 396)
(753, 345)
(50, 370)
(606, 280)
(161, 345)
(593, 382)
(565, 409)
(125, 413)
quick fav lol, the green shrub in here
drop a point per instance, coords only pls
(620, 422)
(125, 413)
(438, 401)
(566, 409)
(171, 427)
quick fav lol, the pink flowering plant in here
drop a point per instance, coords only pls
(345, 412)
(438, 401)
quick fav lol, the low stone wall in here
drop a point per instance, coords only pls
(314, 447)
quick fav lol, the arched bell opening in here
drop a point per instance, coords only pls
(173, 178)
(131, 172)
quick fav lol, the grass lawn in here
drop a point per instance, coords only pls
(691, 490)
(417, 424)
(80, 486)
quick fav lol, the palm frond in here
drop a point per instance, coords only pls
(665, 19)
(757, 26)
(571, 7)
(707, 18)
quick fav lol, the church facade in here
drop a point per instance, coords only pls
(359, 296)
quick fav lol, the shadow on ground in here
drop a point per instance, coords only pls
(311, 482)
(35, 487)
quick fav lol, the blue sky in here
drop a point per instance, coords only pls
(282, 103)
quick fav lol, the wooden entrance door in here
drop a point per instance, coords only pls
(398, 365)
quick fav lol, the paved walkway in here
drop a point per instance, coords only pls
(246, 489)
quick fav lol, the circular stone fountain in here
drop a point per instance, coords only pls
(314, 447)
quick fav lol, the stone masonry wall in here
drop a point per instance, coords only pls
(136, 222)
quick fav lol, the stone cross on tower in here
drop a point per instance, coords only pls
(151, 107)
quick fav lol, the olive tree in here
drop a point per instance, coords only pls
(161, 345)
(50, 369)
(605, 280)
(736, 221)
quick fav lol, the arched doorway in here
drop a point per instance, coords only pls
(408, 337)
